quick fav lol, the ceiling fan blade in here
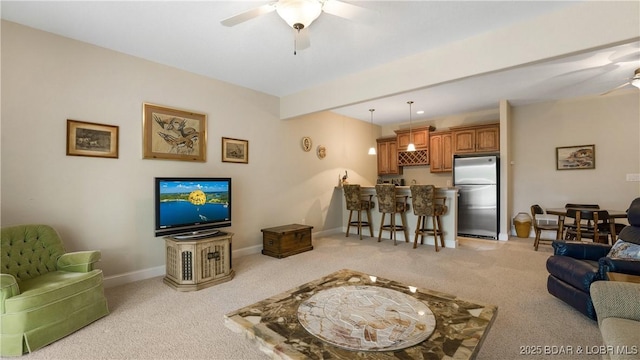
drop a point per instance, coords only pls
(302, 38)
(616, 88)
(249, 14)
(347, 11)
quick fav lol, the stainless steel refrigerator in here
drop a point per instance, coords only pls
(477, 178)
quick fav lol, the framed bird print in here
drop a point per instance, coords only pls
(174, 134)
(92, 139)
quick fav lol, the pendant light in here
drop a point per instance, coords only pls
(411, 146)
(372, 149)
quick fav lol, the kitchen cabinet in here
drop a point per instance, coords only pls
(420, 137)
(441, 151)
(388, 156)
(476, 139)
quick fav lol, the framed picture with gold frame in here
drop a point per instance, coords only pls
(174, 134)
(235, 150)
(92, 139)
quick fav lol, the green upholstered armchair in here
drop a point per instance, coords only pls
(45, 293)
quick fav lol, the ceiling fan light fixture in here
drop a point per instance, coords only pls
(296, 12)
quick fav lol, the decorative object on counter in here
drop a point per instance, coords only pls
(522, 222)
(92, 139)
(372, 149)
(306, 143)
(576, 157)
(321, 151)
(344, 178)
(173, 134)
(388, 204)
(356, 201)
(426, 204)
(235, 150)
(411, 146)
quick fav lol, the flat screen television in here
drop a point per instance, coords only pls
(189, 207)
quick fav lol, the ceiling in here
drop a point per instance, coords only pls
(258, 54)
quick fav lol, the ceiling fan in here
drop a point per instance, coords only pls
(299, 14)
(634, 81)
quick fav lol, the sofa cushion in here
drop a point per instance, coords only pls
(51, 287)
(622, 336)
(578, 273)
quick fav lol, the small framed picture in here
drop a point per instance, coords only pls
(92, 139)
(173, 134)
(235, 150)
(576, 157)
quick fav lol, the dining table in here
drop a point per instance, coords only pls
(562, 212)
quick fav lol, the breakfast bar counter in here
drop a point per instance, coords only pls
(449, 220)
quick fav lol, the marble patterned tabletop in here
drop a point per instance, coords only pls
(460, 326)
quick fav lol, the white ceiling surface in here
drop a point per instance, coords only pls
(258, 54)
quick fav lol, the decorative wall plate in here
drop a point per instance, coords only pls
(322, 151)
(306, 144)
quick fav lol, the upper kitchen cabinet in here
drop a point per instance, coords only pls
(476, 139)
(420, 137)
(388, 156)
(441, 151)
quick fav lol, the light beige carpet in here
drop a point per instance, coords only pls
(149, 320)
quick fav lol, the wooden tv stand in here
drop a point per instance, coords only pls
(197, 263)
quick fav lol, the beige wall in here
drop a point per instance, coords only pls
(610, 122)
(107, 204)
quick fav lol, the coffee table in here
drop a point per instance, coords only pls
(460, 325)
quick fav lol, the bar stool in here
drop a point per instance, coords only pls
(426, 204)
(357, 202)
(388, 204)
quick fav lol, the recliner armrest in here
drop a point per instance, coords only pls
(79, 261)
(580, 250)
(8, 288)
(625, 266)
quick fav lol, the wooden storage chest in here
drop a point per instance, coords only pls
(286, 240)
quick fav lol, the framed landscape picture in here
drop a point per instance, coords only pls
(173, 134)
(576, 157)
(92, 139)
(235, 150)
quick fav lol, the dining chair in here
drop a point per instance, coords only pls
(358, 202)
(572, 225)
(538, 228)
(602, 229)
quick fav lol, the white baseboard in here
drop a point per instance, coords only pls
(121, 279)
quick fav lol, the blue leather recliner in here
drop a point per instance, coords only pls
(575, 265)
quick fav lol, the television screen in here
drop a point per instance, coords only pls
(192, 206)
